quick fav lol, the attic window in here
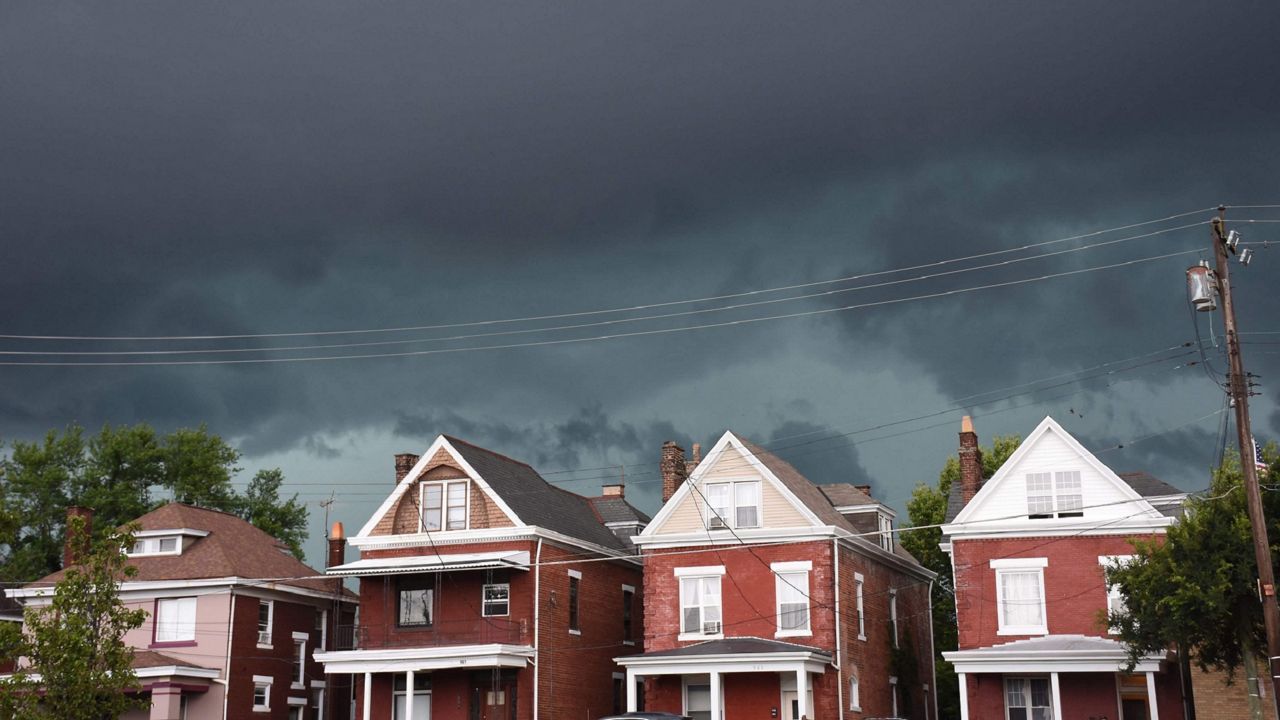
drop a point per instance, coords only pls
(886, 531)
(163, 545)
(444, 505)
(1056, 494)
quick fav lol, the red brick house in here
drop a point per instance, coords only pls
(232, 622)
(486, 593)
(767, 596)
(1029, 547)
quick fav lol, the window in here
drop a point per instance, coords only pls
(855, 702)
(1056, 494)
(791, 588)
(266, 609)
(175, 620)
(733, 504)
(299, 660)
(1020, 595)
(893, 615)
(862, 616)
(444, 502)
(415, 601)
(155, 546)
(317, 703)
(295, 713)
(1028, 699)
(575, 578)
(421, 695)
(261, 693)
(697, 701)
(322, 627)
(700, 611)
(496, 600)
(893, 688)
(1115, 601)
(628, 608)
(886, 531)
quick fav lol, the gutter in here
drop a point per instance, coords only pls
(226, 674)
(537, 623)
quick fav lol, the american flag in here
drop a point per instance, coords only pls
(1258, 462)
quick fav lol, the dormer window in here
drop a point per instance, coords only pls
(1055, 494)
(170, 545)
(444, 505)
(886, 531)
(733, 504)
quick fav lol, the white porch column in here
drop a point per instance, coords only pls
(717, 699)
(408, 695)
(1151, 696)
(1056, 692)
(368, 696)
(632, 701)
(802, 693)
(964, 696)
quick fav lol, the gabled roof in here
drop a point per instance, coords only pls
(846, 495)
(734, 646)
(233, 548)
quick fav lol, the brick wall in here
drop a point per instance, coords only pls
(1216, 700)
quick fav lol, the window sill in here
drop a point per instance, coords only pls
(684, 637)
(265, 647)
(297, 686)
(793, 633)
(259, 708)
(628, 642)
(855, 709)
(863, 638)
(574, 632)
(172, 644)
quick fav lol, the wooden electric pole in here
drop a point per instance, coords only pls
(1239, 391)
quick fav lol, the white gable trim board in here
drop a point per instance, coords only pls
(1109, 503)
(727, 442)
(441, 443)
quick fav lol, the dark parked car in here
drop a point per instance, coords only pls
(646, 716)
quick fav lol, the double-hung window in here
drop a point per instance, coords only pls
(1054, 494)
(1028, 698)
(262, 693)
(1115, 601)
(266, 612)
(497, 600)
(415, 596)
(893, 615)
(858, 582)
(444, 505)
(299, 661)
(628, 613)
(700, 609)
(175, 620)
(575, 595)
(733, 504)
(791, 588)
(1020, 605)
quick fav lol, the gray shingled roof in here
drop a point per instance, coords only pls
(845, 495)
(734, 646)
(534, 500)
(612, 509)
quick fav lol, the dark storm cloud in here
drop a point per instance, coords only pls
(821, 462)
(176, 169)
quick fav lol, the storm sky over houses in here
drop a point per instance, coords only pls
(248, 169)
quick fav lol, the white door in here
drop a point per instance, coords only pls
(791, 705)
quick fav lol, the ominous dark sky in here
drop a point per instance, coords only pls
(248, 168)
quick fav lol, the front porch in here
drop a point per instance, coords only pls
(720, 679)
(1060, 676)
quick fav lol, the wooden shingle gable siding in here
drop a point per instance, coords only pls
(403, 517)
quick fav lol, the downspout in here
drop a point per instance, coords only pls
(537, 622)
(226, 672)
(835, 584)
(933, 655)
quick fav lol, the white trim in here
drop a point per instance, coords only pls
(866, 508)
(293, 700)
(147, 589)
(265, 679)
(1005, 629)
(809, 661)
(513, 559)
(190, 532)
(701, 571)
(484, 535)
(575, 574)
(304, 637)
(425, 658)
(178, 670)
(417, 470)
(318, 685)
(859, 583)
(998, 659)
(793, 566)
(1020, 563)
(628, 588)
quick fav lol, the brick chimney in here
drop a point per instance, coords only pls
(337, 546)
(614, 490)
(75, 544)
(404, 463)
(970, 461)
(866, 489)
(693, 461)
(674, 469)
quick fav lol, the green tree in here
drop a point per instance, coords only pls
(927, 509)
(1197, 589)
(285, 520)
(76, 643)
(198, 468)
(36, 481)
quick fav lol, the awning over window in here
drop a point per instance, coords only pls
(515, 559)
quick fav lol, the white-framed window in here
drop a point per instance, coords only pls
(266, 616)
(628, 614)
(700, 605)
(893, 689)
(1115, 601)
(175, 620)
(421, 695)
(1054, 494)
(791, 590)
(855, 698)
(262, 693)
(1028, 698)
(697, 698)
(575, 596)
(496, 600)
(1020, 605)
(886, 531)
(163, 545)
(317, 700)
(893, 615)
(444, 505)
(295, 713)
(733, 504)
(858, 582)
(322, 627)
(299, 660)
(415, 601)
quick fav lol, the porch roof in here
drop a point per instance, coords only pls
(740, 654)
(425, 658)
(1051, 653)
(517, 559)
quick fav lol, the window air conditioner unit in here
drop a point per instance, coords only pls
(717, 522)
(711, 627)
(264, 637)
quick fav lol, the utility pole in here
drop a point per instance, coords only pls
(1239, 391)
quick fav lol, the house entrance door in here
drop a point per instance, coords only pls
(493, 696)
(791, 705)
(1134, 709)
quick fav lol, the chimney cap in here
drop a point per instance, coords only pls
(337, 533)
(966, 424)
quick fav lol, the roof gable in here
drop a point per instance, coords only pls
(1001, 503)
